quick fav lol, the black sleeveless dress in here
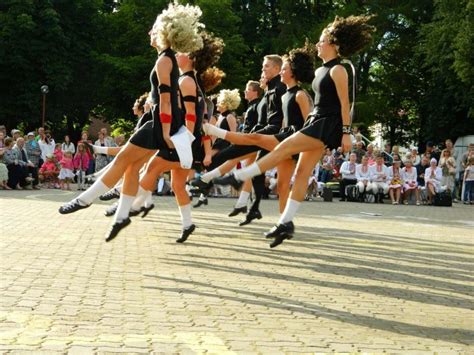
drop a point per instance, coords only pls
(154, 97)
(325, 121)
(219, 143)
(293, 119)
(150, 135)
(197, 148)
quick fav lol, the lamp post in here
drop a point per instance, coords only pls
(44, 91)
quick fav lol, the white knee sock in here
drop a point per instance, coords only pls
(215, 131)
(290, 211)
(243, 199)
(98, 149)
(207, 177)
(98, 188)
(123, 209)
(248, 172)
(140, 199)
(186, 219)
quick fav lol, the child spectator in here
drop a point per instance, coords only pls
(66, 174)
(396, 182)
(58, 153)
(81, 164)
(327, 166)
(68, 145)
(48, 173)
(469, 182)
(410, 185)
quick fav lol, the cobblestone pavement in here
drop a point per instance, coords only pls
(350, 280)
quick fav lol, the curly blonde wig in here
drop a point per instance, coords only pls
(211, 78)
(178, 27)
(229, 98)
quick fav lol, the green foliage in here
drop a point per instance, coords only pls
(415, 79)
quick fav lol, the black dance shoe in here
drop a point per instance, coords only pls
(279, 239)
(71, 207)
(147, 210)
(281, 229)
(250, 217)
(134, 213)
(116, 228)
(185, 233)
(236, 211)
(200, 186)
(200, 203)
(110, 195)
(111, 210)
(228, 179)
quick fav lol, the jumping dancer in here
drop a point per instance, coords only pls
(328, 124)
(175, 29)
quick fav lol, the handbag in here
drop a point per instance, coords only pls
(443, 199)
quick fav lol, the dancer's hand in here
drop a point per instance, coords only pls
(169, 142)
(346, 143)
(207, 160)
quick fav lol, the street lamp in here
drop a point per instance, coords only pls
(44, 91)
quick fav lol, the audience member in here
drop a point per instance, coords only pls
(379, 174)
(3, 170)
(66, 174)
(46, 144)
(395, 184)
(363, 175)
(34, 155)
(359, 151)
(327, 167)
(58, 153)
(430, 149)
(433, 176)
(468, 196)
(101, 160)
(68, 145)
(81, 164)
(48, 173)
(410, 184)
(387, 156)
(2, 139)
(448, 169)
(370, 154)
(89, 151)
(15, 134)
(348, 173)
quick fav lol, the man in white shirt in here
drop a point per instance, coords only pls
(378, 179)
(347, 170)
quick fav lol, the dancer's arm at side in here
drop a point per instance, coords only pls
(163, 70)
(340, 78)
(188, 89)
(304, 103)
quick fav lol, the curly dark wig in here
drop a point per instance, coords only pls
(351, 34)
(211, 78)
(209, 54)
(302, 63)
(141, 101)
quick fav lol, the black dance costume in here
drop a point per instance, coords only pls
(250, 116)
(220, 143)
(196, 146)
(293, 119)
(325, 121)
(150, 135)
(147, 116)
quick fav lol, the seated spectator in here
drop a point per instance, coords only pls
(448, 169)
(338, 160)
(271, 182)
(420, 170)
(410, 184)
(48, 173)
(433, 176)
(469, 182)
(58, 153)
(379, 175)
(81, 164)
(363, 175)
(68, 145)
(120, 140)
(327, 167)
(347, 170)
(15, 134)
(34, 155)
(396, 182)
(387, 156)
(3, 171)
(16, 175)
(359, 150)
(415, 157)
(66, 174)
(370, 154)
(314, 187)
(2, 139)
(26, 165)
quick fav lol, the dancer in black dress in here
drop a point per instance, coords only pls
(175, 29)
(275, 89)
(193, 106)
(328, 124)
(296, 104)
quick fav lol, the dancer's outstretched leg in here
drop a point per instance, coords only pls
(130, 154)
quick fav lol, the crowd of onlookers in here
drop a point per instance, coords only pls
(37, 160)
